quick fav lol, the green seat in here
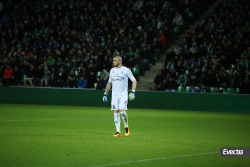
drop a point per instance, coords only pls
(127, 13)
(187, 88)
(233, 66)
(205, 44)
(204, 71)
(172, 34)
(135, 70)
(198, 88)
(212, 89)
(248, 24)
(186, 66)
(177, 29)
(237, 90)
(136, 32)
(99, 73)
(186, 73)
(35, 31)
(223, 89)
(22, 80)
(242, 55)
(180, 89)
(187, 10)
(77, 73)
(230, 90)
(191, 15)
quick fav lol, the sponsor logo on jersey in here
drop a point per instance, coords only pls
(122, 72)
(117, 78)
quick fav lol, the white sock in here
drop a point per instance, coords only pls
(125, 118)
(117, 122)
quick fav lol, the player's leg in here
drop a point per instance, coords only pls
(114, 107)
(122, 108)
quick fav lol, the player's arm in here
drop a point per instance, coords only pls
(134, 83)
(108, 87)
(105, 96)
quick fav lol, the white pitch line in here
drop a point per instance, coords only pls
(66, 119)
(152, 159)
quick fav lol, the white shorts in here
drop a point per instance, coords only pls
(119, 102)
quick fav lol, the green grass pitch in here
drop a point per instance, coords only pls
(51, 136)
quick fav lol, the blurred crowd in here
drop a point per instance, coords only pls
(44, 43)
(215, 54)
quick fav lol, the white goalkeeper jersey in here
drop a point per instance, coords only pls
(119, 79)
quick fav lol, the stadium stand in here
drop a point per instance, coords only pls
(43, 41)
(216, 53)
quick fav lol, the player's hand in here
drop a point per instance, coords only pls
(105, 98)
(131, 96)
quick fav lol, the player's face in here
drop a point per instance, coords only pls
(115, 62)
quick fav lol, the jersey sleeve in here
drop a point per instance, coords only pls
(130, 75)
(110, 78)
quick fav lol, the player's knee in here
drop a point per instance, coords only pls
(121, 110)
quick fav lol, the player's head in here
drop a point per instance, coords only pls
(117, 61)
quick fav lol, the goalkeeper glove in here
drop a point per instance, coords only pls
(131, 95)
(105, 97)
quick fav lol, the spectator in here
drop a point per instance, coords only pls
(193, 89)
(172, 85)
(53, 77)
(30, 76)
(224, 80)
(178, 21)
(203, 89)
(193, 80)
(91, 80)
(49, 61)
(245, 86)
(39, 76)
(71, 83)
(71, 75)
(8, 75)
(82, 83)
(164, 85)
(182, 45)
(153, 87)
(222, 71)
(97, 64)
(162, 39)
(138, 5)
(105, 75)
(16, 76)
(177, 49)
(183, 80)
(159, 78)
(73, 63)
(61, 78)
(100, 85)
(46, 77)
(217, 90)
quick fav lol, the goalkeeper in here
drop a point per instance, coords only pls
(118, 79)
